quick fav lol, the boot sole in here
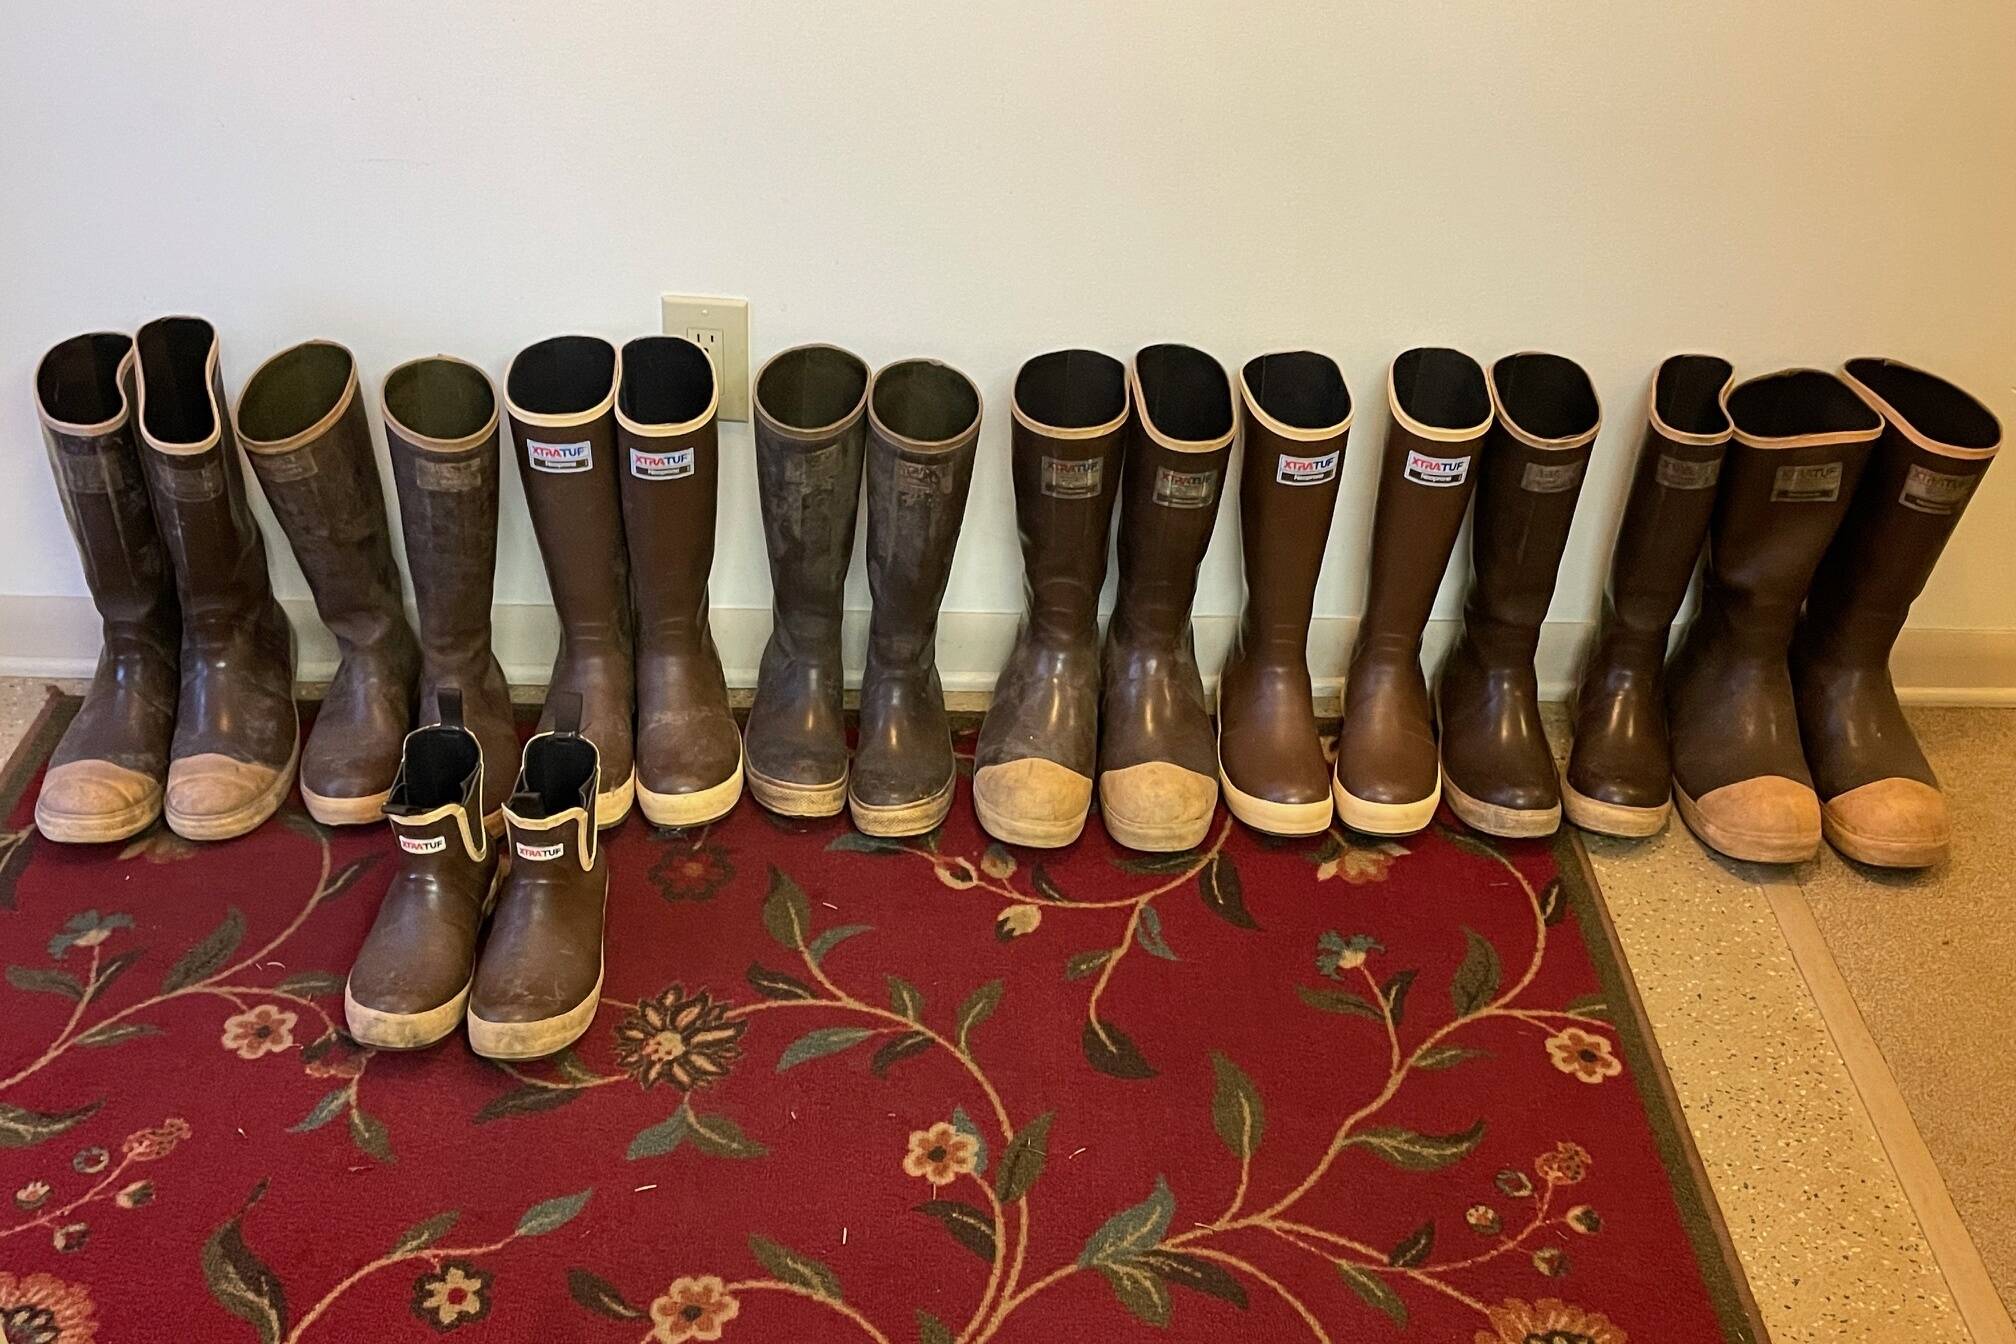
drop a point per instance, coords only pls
(1032, 835)
(345, 811)
(1264, 814)
(244, 819)
(697, 808)
(900, 819)
(1507, 823)
(1618, 819)
(1370, 818)
(612, 805)
(1736, 844)
(97, 828)
(788, 799)
(535, 1040)
(1880, 853)
(404, 1031)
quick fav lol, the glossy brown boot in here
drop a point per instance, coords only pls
(410, 984)
(689, 751)
(923, 423)
(1388, 778)
(1879, 800)
(237, 738)
(105, 777)
(1619, 779)
(560, 395)
(1270, 756)
(1158, 760)
(1739, 775)
(441, 428)
(540, 976)
(811, 405)
(303, 427)
(1497, 769)
(1039, 744)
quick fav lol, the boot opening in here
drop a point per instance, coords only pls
(1929, 404)
(1184, 393)
(1072, 389)
(437, 766)
(562, 375)
(1300, 388)
(443, 399)
(293, 391)
(1545, 396)
(667, 380)
(1797, 403)
(559, 774)
(923, 400)
(813, 387)
(175, 371)
(1441, 389)
(78, 381)
(1687, 395)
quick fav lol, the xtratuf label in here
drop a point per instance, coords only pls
(1292, 470)
(1185, 489)
(1426, 469)
(1817, 483)
(1940, 492)
(1065, 478)
(661, 466)
(560, 457)
(423, 844)
(1678, 473)
(539, 853)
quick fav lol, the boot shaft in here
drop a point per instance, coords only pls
(923, 427)
(1297, 415)
(810, 405)
(667, 445)
(436, 803)
(551, 814)
(1069, 435)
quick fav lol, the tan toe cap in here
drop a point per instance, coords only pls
(214, 797)
(1032, 802)
(1158, 806)
(89, 802)
(1769, 819)
(1892, 823)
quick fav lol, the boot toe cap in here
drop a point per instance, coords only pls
(1157, 806)
(1032, 801)
(1891, 823)
(216, 797)
(1768, 819)
(87, 801)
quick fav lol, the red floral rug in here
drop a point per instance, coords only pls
(852, 1089)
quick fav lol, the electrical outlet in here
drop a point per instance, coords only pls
(720, 326)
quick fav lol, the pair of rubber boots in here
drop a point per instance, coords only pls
(822, 424)
(533, 903)
(1777, 722)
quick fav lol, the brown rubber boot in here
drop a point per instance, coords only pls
(1158, 761)
(689, 751)
(1388, 778)
(540, 976)
(811, 404)
(303, 427)
(1270, 756)
(1039, 744)
(560, 395)
(237, 738)
(1879, 800)
(1619, 779)
(1739, 775)
(441, 427)
(104, 780)
(1497, 768)
(410, 985)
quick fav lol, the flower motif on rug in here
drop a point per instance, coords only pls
(259, 1031)
(940, 1154)
(454, 1295)
(691, 871)
(692, 1309)
(1585, 1055)
(43, 1309)
(1548, 1321)
(688, 1042)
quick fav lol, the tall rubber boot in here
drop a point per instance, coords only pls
(689, 751)
(1039, 744)
(1270, 756)
(1389, 778)
(1497, 768)
(811, 404)
(560, 395)
(441, 427)
(1879, 800)
(1619, 779)
(1739, 775)
(237, 737)
(304, 430)
(105, 777)
(1158, 760)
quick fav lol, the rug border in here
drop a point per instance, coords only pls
(38, 739)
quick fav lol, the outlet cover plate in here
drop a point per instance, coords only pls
(720, 326)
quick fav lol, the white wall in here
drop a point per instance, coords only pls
(1796, 181)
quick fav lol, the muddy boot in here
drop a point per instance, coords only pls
(689, 752)
(1739, 775)
(441, 428)
(540, 975)
(1497, 768)
(1158, 761)
(1389, 778)
(810, 408)
(237, 738)
(410, 985)
(303, 427)
(560, 395)
(1619, 779)
(1270, 756)
(1039, 744)
(105, 778)
(923, 423)
(1879, 800)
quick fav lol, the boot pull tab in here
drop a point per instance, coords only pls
(448, 701)
(566, 708)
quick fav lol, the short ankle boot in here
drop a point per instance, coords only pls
(1619, 779)
(1497, 769)
(1270, 756)
(105, 778)
(303, 427)
(1879, 800)
(1039, 744)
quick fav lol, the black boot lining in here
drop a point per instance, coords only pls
(438, 763)
(174, 368)
(559, 774)
(1300, 388)
(1929, 404)
(1687, 394)
(1072, 389)
(811, 387)
(1184, 393)
(926, 401)
(1798, 402)
(562, 375)
(294, 390)
(440, 398)
(666, 381)
(1544, 395)
(1441, 388)
(78, 380)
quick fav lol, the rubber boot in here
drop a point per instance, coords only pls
(1270, 755)
(303, 427)
(1497, 769)
(1039, 744)
(560, 395)
(539, 978)
(237, 736)
(1158, 760)
(1388, 779)
(441, 427)
(410, 984)
(104, 780)
(1739, 774)
(1879, 800)
(689, 751)
(1619, 779)
(811, 404)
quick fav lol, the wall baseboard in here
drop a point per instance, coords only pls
(58, 637)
